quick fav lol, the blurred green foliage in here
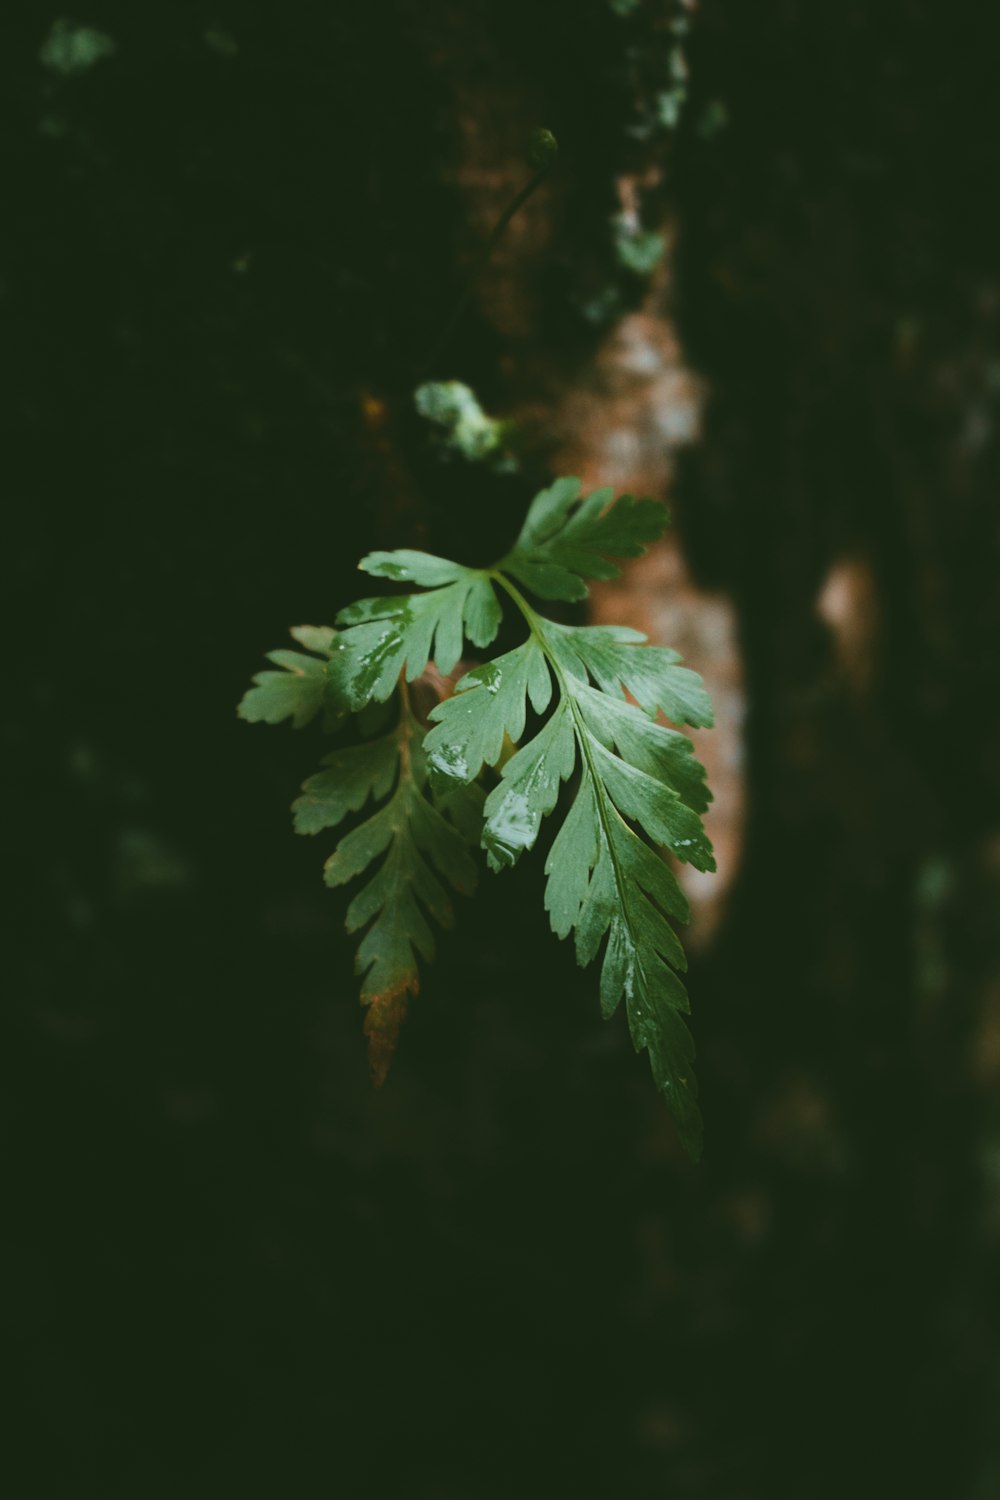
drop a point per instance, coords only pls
(70, 49)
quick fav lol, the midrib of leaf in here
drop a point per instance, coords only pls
(407, 726)
(408, 785)
(582, 739)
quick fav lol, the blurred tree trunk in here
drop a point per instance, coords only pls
(234, 1267)
(839, 288)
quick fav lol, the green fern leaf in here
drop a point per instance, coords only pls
(477, 726)
(565, 539)
(383, 637)
(301, 690)
(423, 842)
(578, 702)
(639, 781)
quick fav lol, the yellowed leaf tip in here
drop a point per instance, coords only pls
(386, 1014)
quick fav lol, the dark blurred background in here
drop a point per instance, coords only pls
(228, 234)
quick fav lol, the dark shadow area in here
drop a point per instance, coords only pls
(232, 1268)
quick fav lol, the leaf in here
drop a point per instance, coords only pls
(565, 539)
(462, 427)
(616, 659)
(579, 702)
(637, 777)
(488, 703)
(415, 837)
(573, 855)
(603, 880)
(423, 849)
(528, 790)
(661, 752)
(353, 774)
(654, 805)
(412, 567)
(301, 690)
(462, 806)
(384, 1017)
(318, 638)
(385, 636)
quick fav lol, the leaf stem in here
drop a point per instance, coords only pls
(405, 729)
(482, 260)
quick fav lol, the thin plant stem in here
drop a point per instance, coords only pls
(482, 260)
